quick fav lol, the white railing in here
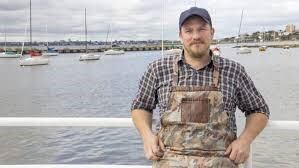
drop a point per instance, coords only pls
(103, 122)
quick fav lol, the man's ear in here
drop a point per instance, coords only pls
(212, 32)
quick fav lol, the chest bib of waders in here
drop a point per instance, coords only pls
(195, 126)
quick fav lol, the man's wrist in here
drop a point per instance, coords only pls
(146, 133)
(246, 139)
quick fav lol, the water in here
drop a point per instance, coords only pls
(105, 88)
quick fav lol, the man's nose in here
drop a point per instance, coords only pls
(196, 35)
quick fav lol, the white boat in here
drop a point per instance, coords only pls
(38, 60)
(10, 54)
(114, 52)
(243, 50)
(87, 56)
(35, 56)
(174, 51)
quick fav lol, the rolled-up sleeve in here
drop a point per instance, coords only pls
(146, 97)
(249, 99)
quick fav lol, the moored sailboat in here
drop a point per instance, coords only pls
(35, 56)
(87, 56)
(242, 49)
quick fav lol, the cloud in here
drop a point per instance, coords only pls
(138, 19)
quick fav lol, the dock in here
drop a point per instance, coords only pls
(94, 49)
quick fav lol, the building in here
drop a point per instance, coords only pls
(290, 28)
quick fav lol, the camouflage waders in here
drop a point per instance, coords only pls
(195, 127)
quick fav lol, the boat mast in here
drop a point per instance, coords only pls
(106, 43)
(163, 15)
(47, 36)
(23, 44)
(111, 43)
(240, 26)
(5, 40)
(30, 28)
(85, 33)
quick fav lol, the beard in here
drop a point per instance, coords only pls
(198, 49)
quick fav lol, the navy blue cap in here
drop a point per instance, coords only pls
(195, 11)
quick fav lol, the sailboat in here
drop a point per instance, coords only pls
(242, 50)
(35, 56)
(87, 56)
(173, 51)
(112, 51)
(263, 48)
(50, 51)
(9, 54)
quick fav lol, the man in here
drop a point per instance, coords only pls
(197, 94)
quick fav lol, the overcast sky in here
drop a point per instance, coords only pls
(138, 19)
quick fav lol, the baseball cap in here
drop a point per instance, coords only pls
(195, 11)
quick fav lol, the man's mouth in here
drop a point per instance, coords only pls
(196, 43)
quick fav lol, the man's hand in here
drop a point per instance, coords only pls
(238, 151)
(153, 147)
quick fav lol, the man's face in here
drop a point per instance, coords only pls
(196, 36)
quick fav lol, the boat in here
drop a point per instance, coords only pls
(286, 47)
(112, 51)
(262, 48)
(174, 51)
(50, 51)
(35, 56)
(34, 60)
(9, 54)
(242, 49)
(87, 56)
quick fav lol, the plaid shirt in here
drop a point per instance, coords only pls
(236, 86)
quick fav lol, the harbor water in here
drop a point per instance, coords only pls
(105, 88)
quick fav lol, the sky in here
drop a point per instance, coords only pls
(137, 19)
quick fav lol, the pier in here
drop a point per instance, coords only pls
(94, 49)
(102, 48)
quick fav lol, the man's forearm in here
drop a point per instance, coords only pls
(143, 121)
(255, 123)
